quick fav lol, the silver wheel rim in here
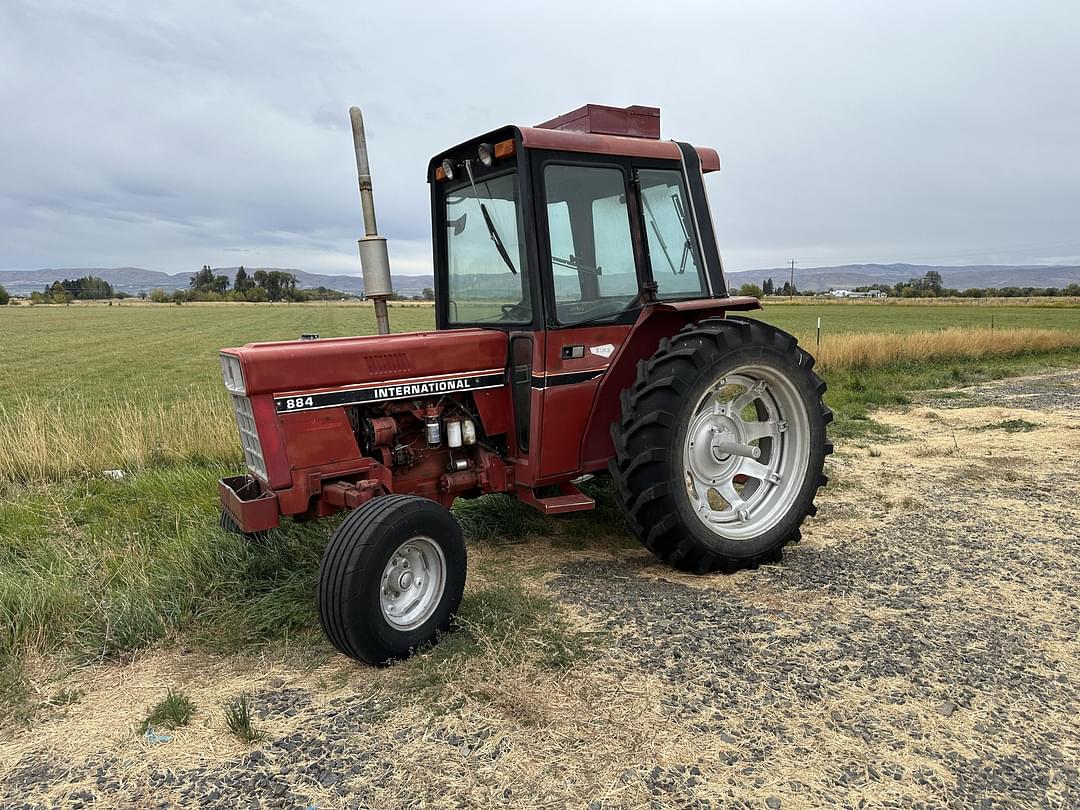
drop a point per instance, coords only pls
(746, 452)
(412, 583)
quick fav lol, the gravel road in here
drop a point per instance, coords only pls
(918, 649)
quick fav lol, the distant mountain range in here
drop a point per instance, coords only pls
(135, 279)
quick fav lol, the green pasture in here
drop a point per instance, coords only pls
(165, 353)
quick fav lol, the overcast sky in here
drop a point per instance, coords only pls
(168, 135)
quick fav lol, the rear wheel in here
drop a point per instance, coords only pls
(391, 578)
(721, 445)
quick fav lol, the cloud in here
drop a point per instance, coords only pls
(168, 135)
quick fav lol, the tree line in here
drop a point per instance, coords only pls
(85, 288)
(277, 285)
(205, 285)
(930, 285)
(262, 285)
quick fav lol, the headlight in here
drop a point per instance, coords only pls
(448, 168)
(486, 153)
(233, 374)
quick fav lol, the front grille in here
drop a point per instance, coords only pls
(249, 436)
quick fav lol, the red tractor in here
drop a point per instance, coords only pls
(582, 328)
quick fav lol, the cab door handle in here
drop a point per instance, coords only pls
(574, 352)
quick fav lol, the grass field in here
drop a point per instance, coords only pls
(166, 353)
(95, 568)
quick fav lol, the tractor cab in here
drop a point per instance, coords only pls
(568, 236)
(583, 219)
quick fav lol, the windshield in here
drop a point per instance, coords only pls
(483, 287)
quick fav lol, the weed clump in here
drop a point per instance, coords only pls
(175, 710)
(65, 697)
(238, 720)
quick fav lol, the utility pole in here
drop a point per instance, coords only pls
(791, 289)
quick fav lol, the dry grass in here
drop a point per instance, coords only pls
(1056, 301)
(43, 441)
(853, 351)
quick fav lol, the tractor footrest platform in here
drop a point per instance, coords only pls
(571, 499)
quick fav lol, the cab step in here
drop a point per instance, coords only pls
(571, 499)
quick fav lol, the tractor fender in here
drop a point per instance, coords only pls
(656, 322)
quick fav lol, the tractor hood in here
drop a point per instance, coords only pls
(332, 363)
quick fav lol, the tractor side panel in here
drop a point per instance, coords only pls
(318, 437)
(575, 361)
(529, 437)
(305, 398)
(493, 408)
(566, 409)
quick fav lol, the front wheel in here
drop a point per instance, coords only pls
(721, 445)
(391, 578)
(230, 526)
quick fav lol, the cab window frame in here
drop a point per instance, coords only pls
(519, 257)
(540, 162)
(440, 241)
(692, 224)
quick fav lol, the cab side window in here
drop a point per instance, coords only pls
(669, 229)
(592, 254)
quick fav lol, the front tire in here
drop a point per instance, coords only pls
(230, 526)
(391, 578)
(721, 445)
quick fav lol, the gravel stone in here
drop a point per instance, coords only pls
(946, 709)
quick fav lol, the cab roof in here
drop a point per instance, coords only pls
(599, 129)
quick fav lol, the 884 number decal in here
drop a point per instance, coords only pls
(294, 403)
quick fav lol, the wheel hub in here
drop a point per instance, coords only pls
(720, 439)
(740, 460)
(710, 438)
(412, 583)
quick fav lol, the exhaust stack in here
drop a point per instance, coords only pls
(374, 260)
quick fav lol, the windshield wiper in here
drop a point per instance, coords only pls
(499, 246)
(660, 238)
(677, 203)
(492, 231)
(576, 265)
